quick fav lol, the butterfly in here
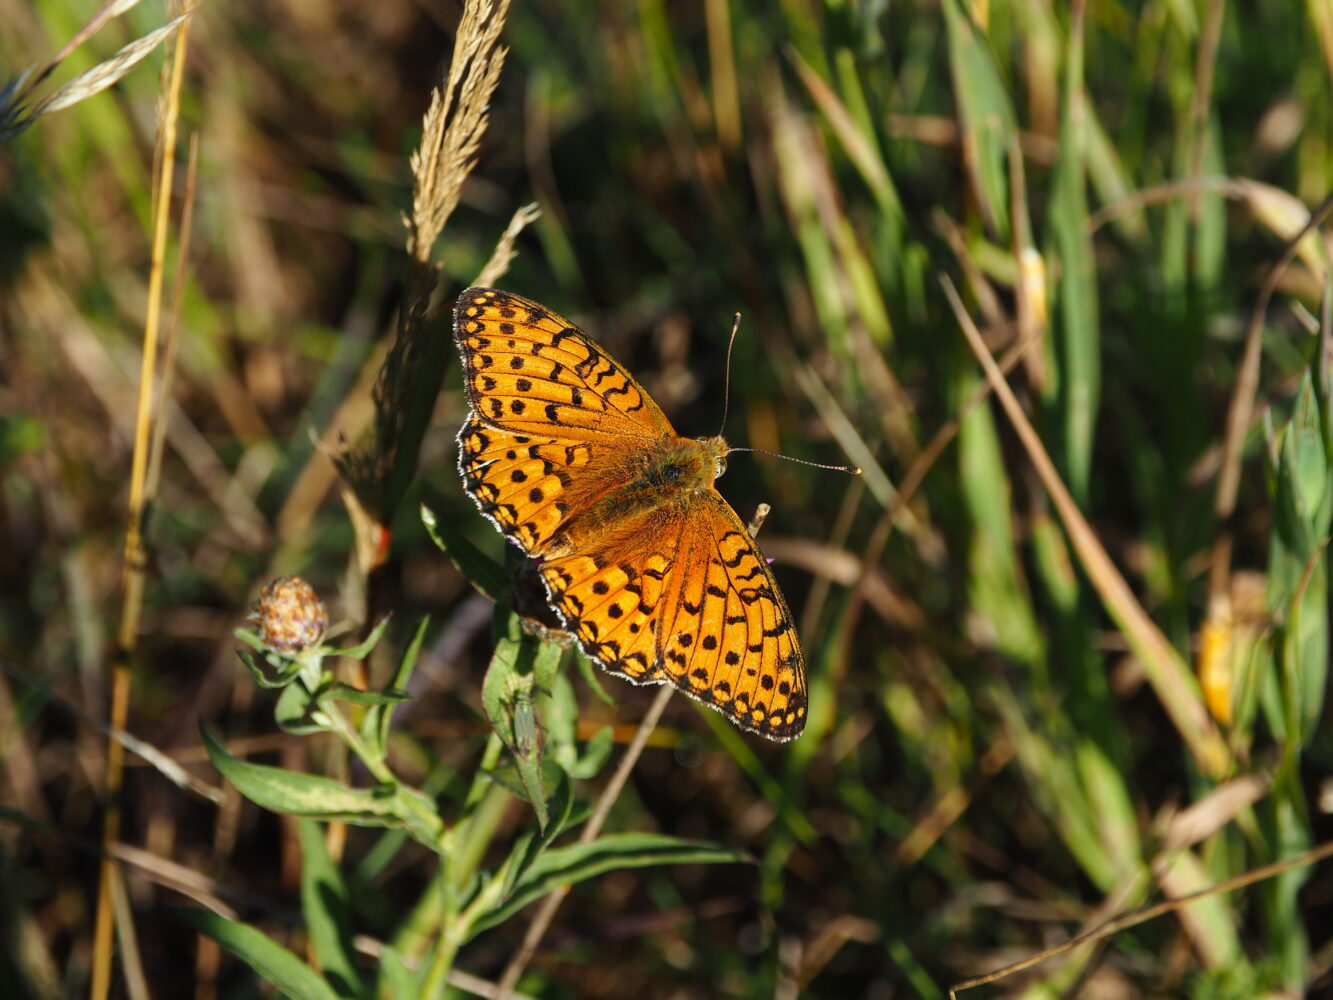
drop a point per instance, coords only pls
(654, 574)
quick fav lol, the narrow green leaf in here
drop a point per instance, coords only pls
(375, 726)
(591, 677)
(596, 752)
(395, 978)
(1286, 828)
(361, 649)
(482, 571)
(562, 866)
(996, 588)
(1210, 230)
(268, 958)
(508, 692)
(985, 115)
(530, 847)
(324, 902)
(345, 692)
(1074, 317)
(1301, 485)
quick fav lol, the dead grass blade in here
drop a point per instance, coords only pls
(1169, 674)
(14, 120)
(503, 254)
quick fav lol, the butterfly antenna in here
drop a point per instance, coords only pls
(726, 389)
(854, 470)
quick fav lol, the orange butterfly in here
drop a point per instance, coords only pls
(644, 561)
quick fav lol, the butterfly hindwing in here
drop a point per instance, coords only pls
(613, 600)
(726, 636)
(697, 608)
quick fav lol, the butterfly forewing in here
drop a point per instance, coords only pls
(530, 371)
(664, 586)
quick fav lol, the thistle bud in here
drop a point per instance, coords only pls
(289, 616)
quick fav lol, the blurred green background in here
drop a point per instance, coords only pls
(988, 766)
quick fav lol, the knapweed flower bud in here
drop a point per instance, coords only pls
(289, 616)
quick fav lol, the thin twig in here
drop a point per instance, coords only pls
(167, 766)
(171, 341)
(1148, 913)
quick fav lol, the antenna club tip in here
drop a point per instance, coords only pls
(855, 470)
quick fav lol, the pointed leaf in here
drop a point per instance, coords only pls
(507, 693)
(481, 570)
(375, 726)
(323, 798)
(325, 903)
(396, 979)
(563, 866)
(359, 651)
(268, 958)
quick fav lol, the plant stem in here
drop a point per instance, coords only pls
(348, 734)
(446, 947)
(546, 912)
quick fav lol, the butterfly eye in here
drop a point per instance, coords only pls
(719, 466)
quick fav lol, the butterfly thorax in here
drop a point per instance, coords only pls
(667, 473)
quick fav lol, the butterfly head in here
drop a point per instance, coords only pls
(717, 449)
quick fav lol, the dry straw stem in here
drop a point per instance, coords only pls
(1168, 673)
(135, 558)
(173, 324)
(1137, 917)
